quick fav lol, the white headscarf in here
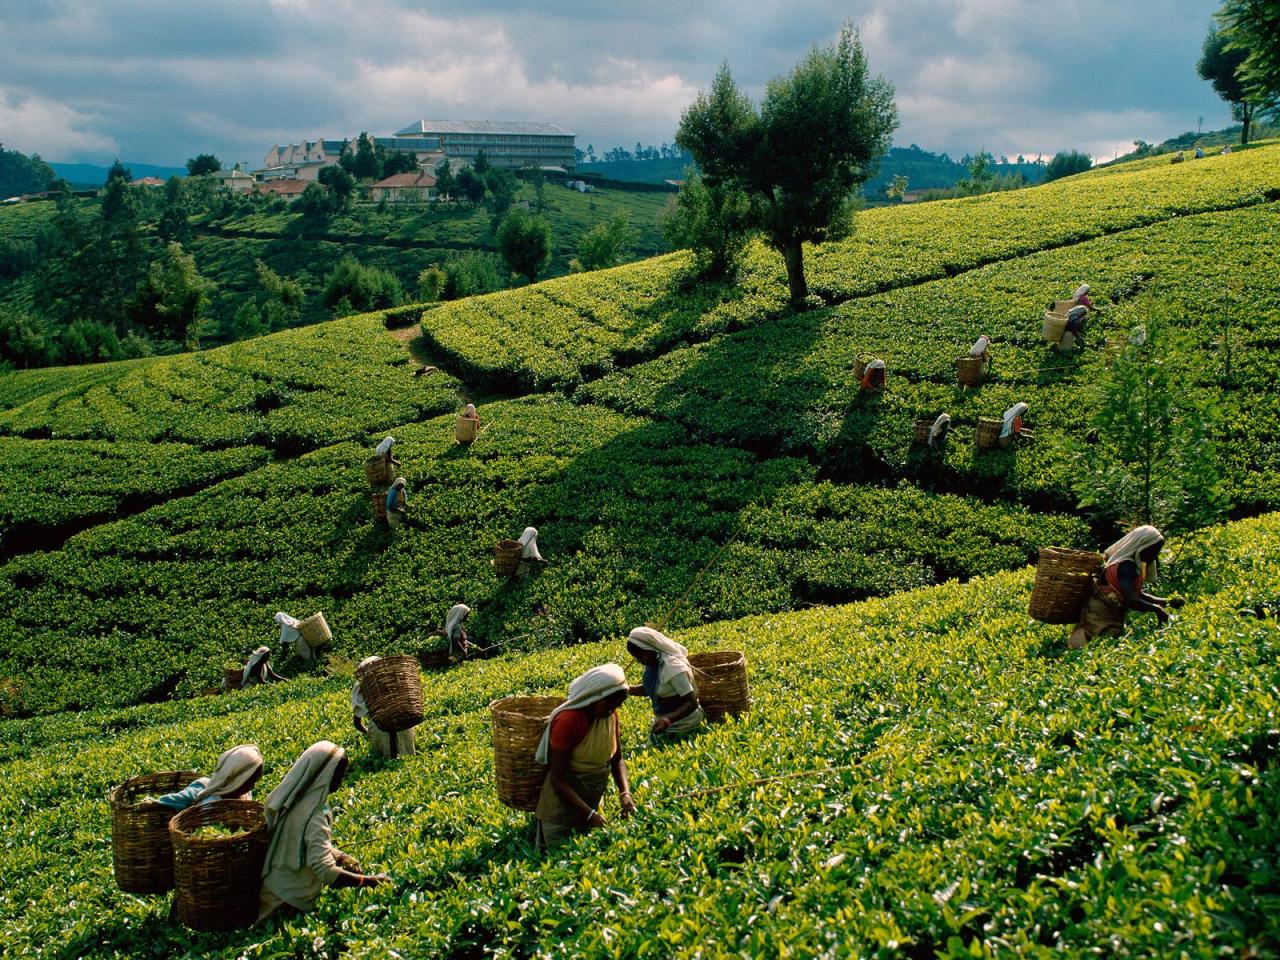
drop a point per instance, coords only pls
(288, 628)
(302, 794)
(1081, 291)
(1017, 410)
(385, 446)
(980, 346)
(673, 659)
(470, 412)
(876, 364)
(1133, 543)
(359, 708)
(530, 540)
(939, 428)
(234, 768)
(596, 684)
(457, 615)
(252, 664)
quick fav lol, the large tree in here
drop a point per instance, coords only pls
(525, 243)
(171, 300)
(203, 164)
(1220, 65)
(1253, 27)
(799, 158)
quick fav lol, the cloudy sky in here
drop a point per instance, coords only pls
(161, 80)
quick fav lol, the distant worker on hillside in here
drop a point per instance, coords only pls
(383, 449)
(1177, 157)
(668, 683)
(939, 431)
(1226, 150)
(873, 376)
(1129, 564)
(455, 630)
(257, 669)
(397, 504)
(467, 426)
(390, 745)
(1081, 296)
(529, 541)
(291, 636)
(1011, 429)
(582, 747)
(1199, 152)
(981, 347)
(301, 859)
(233, 778)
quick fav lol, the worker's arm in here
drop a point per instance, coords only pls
(636, 690)
(1135, 598)
(688, 704)
(358, 723)
(272, 675)
(559, 774)
(619, 769)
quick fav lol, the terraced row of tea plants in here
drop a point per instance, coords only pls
(629, 516)
(1213, 280)
(966, 788)
(557, 334)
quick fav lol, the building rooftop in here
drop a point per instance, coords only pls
(282, 187)
(418, 179)
(484, 126)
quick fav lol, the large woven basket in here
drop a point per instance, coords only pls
(518, 723)
(315, 630)
(988, 432)
(1055, 325)
(506, 557)
(392, 687)
(1063, 306)
(141, 854)
(380, 474)
(969, 370)
(721, 679)
(233, 677)
(466, 429)
(860, 367)
(217, 879)
(379, 502)
(922, 428)
(1064, 579)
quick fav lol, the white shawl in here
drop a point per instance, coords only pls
(980, 346)
(596, 684)
(470, 412)
(1081, 291)
(252, 664)
(1131, 545)
(939, 428)
(384, 447)
(673, 659)
(288, 628)
(234, 768)
(302, 795)
(359, 708)
(1017, 410)
(530, 540)
(453, 622)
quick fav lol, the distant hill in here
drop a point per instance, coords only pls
(89, 175)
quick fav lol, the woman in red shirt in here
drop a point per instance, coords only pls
(1130, 562)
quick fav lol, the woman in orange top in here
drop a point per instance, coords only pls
(582, 746)
(873, 376)
(1130, 562)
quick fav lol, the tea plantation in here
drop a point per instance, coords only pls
(696, 455)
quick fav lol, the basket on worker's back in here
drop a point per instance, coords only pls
(379, 472)
(506, 557)
(379, 502)
(518, 723)
(970, 370)
(1064, 580)
(988, 433)
(217, 879)
(315, 631)
(922, 429)
(1064, 306)
(392, 687)
(1055, 325)
(141, 853)
(721, 680)
(233, 677)
(466, 429)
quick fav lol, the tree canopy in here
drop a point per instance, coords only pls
(1253, 28)
(202, 164)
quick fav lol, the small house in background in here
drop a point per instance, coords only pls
(147, 182)
(233, 181)
(419, 187)
(912, 196)
(289, 189)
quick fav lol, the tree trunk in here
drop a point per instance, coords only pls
(793, 254)
(1246, 117)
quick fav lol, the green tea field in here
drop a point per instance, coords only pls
(941, 777)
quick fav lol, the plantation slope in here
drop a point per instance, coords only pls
(991, 794)
(23, 386)
(628, 515)
(293, 391)
(786, 387)
(554, 335)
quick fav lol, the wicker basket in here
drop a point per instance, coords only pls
(721, 679)
(1064, 579)
(466, 429)
(379, 472)
(506, 557)
(433, 658)
(518, 723)
(969, 370)
(1063, 306)
(922, 428)
(860, 367)
(233, 677)
(141, 853)
(379, 502)
(315, 631)
(1055, 325)
(988, 433)
(217, 879)
(392, 687)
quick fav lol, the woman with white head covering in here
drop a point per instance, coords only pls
(469, 412)
(301, 859)
(1081, 296)
(668, 683)
(237, 770)
(1012, 426)
(257, 669)
(873, 376)
(938, 432)
(529, 540)
(397, 504)
(981, 347)
(391, 745)
(1129, 564)
(291, 636)
(383, 449)
(455, 632)
(582, 746)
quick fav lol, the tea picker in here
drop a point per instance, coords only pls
(668, 683)
(397, 504)
(257, 669)
(391, 744)
(1128, 565)
(873, 376)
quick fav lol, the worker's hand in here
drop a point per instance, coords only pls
(348, 862)
(374, 879)
(628, 805)
(1162, 616)
(660, 724)
(1176, 603)
(594, 820)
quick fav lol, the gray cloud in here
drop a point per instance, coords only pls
(159, 81)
